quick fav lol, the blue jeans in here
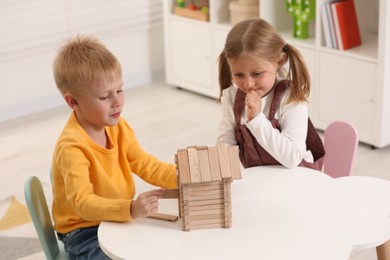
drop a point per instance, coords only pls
(82, 244)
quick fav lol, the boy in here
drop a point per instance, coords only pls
(97, 151)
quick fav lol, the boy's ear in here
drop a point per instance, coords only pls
(71, 100)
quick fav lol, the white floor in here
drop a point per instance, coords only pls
(164, 118)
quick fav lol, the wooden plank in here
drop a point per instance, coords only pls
(224, 160)
(205, 188)
(228, 224)
(184, 210)
(207, 221)
(207, 197)
(183, 166)
(206, 207)
(214, 163)
(193, 159)
(184, 194)
(210, 216)
(165, 217)
(170, 194)
(207, 212)
(207, 226)
(227, 188)
(217, 194)
(186, 220)
(205, 192)
(205, 202)
(180, 200)
(227, 203)
(202, 186)
(204, 164)
(235, 164)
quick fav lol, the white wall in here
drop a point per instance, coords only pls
(32, 31)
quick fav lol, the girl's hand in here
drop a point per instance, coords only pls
(146, 203)
(253, 104)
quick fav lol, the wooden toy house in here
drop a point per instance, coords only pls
(205, 175)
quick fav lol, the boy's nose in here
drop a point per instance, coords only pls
(116, 101)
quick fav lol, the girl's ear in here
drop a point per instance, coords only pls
(282, 59)
(71, 100)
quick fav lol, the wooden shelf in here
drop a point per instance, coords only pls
(193, 14)
(347, 85)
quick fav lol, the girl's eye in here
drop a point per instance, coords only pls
(120, 91)
(105, 98)
(256, 74)
(238, 75)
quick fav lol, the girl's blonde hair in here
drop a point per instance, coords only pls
(257, 37)
(82, 60)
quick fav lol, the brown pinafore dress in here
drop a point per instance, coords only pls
(251, 152)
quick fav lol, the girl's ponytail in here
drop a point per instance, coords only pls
(224, 78)
(298, 75)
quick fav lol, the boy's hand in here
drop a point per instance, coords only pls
(253, 104)
(146, 203)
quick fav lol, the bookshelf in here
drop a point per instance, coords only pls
(350, 85)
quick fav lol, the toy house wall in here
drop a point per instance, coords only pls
(206, 205)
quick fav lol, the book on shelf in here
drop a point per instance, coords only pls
(345, 24)
(328, 25)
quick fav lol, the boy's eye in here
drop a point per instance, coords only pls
(105, 98)
(256, 74)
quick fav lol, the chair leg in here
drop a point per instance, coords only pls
(383, 251)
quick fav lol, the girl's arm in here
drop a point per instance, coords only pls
(227, 123)
(288, 146)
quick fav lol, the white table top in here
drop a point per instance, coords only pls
(278, 213)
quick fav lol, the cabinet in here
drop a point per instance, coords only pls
(351, 85)
(192, 47)
(190, 64)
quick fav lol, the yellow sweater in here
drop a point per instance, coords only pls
(93, 184)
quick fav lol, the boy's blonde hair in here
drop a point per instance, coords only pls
(81, 61)
(257, 37)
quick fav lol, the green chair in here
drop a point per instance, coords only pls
(37, 205)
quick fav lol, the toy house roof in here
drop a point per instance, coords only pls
(198, 164)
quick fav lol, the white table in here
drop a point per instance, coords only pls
(278, 213)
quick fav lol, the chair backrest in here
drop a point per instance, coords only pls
(37, 205)
(341, 142)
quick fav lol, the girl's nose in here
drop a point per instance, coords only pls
(249, 83)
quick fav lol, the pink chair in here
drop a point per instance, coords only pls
(341, 142)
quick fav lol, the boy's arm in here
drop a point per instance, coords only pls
(76, 197)
(147, 166)
(146, 203)
(152, 170)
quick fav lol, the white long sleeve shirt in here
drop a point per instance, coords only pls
(288, 146)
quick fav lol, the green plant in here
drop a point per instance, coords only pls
(302, 11)
(180, 3)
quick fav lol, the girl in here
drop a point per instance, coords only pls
(264, 109)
